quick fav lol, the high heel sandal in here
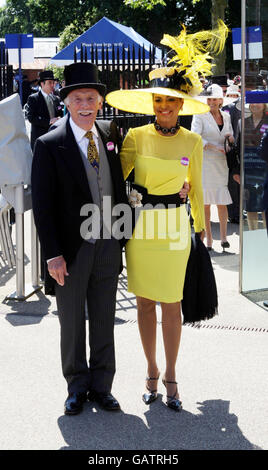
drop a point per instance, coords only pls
(172, 402)
(225, 245)
(152, 395)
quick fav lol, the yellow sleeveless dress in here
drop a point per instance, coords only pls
(158, 251)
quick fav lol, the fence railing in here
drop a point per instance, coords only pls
(6, 81)
(121, 67)
(3, 54)
(6, 73)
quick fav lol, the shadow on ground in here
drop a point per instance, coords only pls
(214, 428)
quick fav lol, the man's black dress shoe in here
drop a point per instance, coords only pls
(104, 399)
(74, 403)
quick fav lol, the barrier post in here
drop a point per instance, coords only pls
(23, 292)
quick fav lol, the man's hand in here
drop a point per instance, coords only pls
(57, 269)
(184, 191)
(53, 120)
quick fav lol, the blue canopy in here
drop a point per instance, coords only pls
(109, 33)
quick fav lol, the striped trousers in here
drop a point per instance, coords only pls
(93, 277)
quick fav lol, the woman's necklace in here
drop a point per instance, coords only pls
(167, 130)
(256, 121)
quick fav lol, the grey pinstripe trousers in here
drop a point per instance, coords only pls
(93, 276)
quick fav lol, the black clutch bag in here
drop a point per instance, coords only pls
(200, 298)
(232, 154)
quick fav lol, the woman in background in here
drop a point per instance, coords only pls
(254, 167)
(214, 127)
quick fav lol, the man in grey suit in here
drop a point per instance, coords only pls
(74, 167)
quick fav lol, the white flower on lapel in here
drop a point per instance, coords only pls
(135, 198)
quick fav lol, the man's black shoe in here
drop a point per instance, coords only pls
(74, 403)
(104, 399)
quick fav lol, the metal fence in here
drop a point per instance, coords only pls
(6, 81)
(6, 73)
(121, 67)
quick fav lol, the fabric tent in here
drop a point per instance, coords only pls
(109, 33)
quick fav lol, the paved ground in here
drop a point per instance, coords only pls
(222, 374)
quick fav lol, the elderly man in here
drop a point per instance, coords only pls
(43, 108)
(75, 165)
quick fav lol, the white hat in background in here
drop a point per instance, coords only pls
(233, 90)
(215, 91)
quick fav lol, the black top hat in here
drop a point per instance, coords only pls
(46, 75)
(220, 80)
(81, 75)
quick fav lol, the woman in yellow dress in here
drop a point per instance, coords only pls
(163, 155)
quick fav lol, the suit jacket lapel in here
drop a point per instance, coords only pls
(71, 154)
(104, 131)
(215, 125)
(108, 136)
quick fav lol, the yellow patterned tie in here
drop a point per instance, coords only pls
(92, 152)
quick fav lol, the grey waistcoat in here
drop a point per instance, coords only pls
(100, 185)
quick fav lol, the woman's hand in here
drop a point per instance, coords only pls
(237, 178)
(201, 234)
(184, 191)
(231, 138)
(214, 147)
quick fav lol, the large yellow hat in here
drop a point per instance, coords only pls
(181, 78)
(141, 100)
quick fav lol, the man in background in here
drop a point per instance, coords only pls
(43, 108)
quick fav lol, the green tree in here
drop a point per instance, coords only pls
(218, 9)
(49, 18)
(69, 19)
(145, 4)
(205, 17)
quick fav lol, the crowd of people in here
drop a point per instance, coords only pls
(82, 162)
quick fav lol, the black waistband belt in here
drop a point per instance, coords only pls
(154, 199)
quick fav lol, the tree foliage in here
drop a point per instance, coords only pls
(46, 18)
(145, 4)
(205, 17)
(69, 19)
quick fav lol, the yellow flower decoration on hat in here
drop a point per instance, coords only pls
(181, 77)
(192, 54)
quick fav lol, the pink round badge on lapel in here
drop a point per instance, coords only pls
(185, 161)
(263, 128)
(110, 146)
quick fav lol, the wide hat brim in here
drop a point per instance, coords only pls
(226, 99)
(100, 87)
(140, 101)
